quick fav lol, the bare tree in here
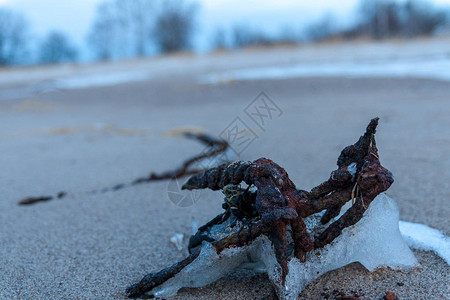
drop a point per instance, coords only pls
(380, 18)
(242, 35)
(420, 18)
(321, 29)
(56, 48)
(289, 35)
(136, 20)
(103, 34)
(175, 24)
(122, 28)
(13, 37)
(219, 39)
(387, 18)
(245, 36)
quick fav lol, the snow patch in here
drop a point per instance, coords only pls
(95, 80)
(431, 68)
(81, 81)
(422, 237)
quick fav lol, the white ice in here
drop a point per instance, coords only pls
(375, 241)
(431, 68)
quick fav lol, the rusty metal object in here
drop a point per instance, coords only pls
(271, 202)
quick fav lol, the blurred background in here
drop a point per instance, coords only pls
(94, 93)
(50, 31)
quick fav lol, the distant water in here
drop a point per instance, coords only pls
(431, 68)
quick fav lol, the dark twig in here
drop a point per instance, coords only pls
(214, 147)
(33, 200)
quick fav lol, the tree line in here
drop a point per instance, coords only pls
(121, 29)
(137, 28)
(374, 19)
(384, 19)
(15, 46)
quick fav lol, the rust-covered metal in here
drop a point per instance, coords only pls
(271, 202)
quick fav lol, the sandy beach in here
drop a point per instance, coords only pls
(93, 245)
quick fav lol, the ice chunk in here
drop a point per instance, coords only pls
(177, 240)
(352, 169)
(422, 237)
(207, 268)
(374, 241)
(194, 225)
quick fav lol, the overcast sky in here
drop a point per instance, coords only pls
(75, 16)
